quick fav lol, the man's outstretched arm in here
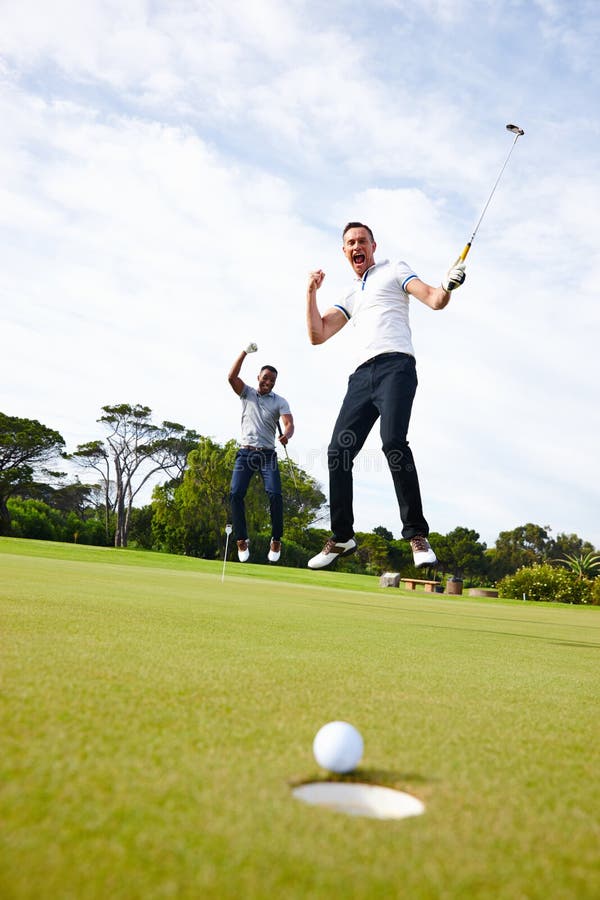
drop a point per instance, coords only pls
(438, 297)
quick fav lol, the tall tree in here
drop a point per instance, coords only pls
(190, 517)
(133, 451)
(25, 446)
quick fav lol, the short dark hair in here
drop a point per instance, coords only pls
(357, 225)
(270, 368)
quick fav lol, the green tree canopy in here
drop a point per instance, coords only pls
(460, 552)
(526, 545)
(25, 446)
(190, 517)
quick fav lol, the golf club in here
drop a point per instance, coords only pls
(228, 530)
(291, 468)
(518, 132)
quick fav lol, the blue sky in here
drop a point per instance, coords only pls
(171, 171)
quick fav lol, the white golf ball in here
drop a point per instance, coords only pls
(338, 746)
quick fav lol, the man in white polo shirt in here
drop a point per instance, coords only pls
(261, 410)
(382, 387)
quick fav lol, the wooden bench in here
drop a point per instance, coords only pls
(411, 584)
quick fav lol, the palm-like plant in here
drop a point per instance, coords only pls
(586, 565)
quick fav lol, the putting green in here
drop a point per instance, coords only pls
(154, 721)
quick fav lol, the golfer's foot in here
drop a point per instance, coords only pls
(330, 552)
(274, 551)
(243, 550)
(423, 555)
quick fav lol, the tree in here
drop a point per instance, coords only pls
(571, 544)
(190, 517)
(372, 552)
(526, 545)
(383, 532)
(460, 552)
(303, 499)
(71, 497)
(133, 451)
(25, 445)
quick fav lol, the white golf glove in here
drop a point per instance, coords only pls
(454, 277)
(251, 348)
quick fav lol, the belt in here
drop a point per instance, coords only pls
(384, 355)
(261, 449)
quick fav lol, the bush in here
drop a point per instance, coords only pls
(548, 583)
(595, 592)
(35, 519)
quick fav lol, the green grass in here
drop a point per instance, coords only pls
(154, 718)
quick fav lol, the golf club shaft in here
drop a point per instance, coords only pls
(467, 247)
(287, 456)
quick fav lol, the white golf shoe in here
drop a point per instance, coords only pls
(243, 550)
(330, 552)
(423, 554)
(274, 551)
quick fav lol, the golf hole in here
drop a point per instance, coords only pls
(354, 799)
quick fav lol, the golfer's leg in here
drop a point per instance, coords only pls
(354, 422)
(240, 479)
(272, 482)
(395, 391)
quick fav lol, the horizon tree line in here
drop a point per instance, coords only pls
(189, 510)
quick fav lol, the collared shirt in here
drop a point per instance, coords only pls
(260, 413)
(377, 305)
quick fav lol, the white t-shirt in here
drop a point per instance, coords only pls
(377, 306)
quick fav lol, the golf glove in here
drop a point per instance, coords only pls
(454, 277)
(251, 348)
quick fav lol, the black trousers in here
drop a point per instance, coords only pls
(382, 388)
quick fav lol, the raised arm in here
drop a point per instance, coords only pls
(234, 373)
(320, 327)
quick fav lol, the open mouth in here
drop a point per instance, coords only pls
(359, 258)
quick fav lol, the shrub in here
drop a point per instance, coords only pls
(595, 592)
(545, 582)
(33, 519)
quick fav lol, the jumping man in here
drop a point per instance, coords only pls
(383, 386)
(261, 409)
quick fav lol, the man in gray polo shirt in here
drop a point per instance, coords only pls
(261, 411)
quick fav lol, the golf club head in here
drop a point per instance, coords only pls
(228, 529)
(515, 129)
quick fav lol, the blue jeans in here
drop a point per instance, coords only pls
(382, 388)
(247, 462)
